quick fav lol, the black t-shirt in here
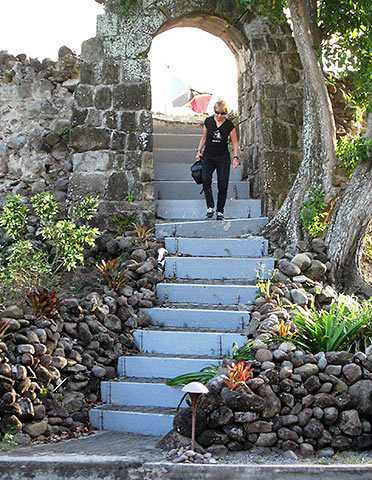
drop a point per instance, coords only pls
(216, 143)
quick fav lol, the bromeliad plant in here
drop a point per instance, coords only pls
(334, 330)
(111, 275)
(124, 223)
(205, 374)
(43, 302)
(143, 232)
(284, 330)
(238, 375)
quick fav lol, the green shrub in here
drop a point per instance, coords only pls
(313, 214)
(26, 265)
(334, 330)
(351, 151)
(124, 223)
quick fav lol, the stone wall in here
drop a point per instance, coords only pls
(35, 103)
(112, 118)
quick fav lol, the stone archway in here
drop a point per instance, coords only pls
(112, 120)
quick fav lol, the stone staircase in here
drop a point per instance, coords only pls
(210, 274)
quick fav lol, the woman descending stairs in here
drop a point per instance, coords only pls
(210, 274)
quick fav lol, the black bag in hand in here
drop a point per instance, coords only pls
(196, 172)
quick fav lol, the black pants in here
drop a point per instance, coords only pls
(222, 165)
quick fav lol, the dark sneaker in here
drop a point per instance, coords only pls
(219, 216)
(209, 213)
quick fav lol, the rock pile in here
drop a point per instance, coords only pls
(294, 401)
(36, 106)
(51, 369)
(298, 278)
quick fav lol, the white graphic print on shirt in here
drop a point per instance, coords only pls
(216, 136)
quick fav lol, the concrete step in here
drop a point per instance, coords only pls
(173, 170)
(148, 366)
(218, 247)
(142, 393)
(174, 155)
(189, 190)
(175, 140)
(211, 228)
(215, 268)
(195, 209)
(142, 420)
(173, 128)
(205, 319)
(205, 344)
(206, 294)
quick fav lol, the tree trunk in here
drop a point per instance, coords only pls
(348, 227)
(319, 135)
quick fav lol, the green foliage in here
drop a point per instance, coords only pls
(124, 223)
(14, 217)
(367, 247)
(25, 265)
(7, 442)
(43, 302)
(242, 353)
(111, 275)
(44, 206)
(85, 209)
(265, 286)
(143, 232)
(274, 9)
(335, 330)
(351, 151)
(206, 374)
(313, 213)
(130, 197)
(65, 133)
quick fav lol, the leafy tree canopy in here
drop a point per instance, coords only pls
(345, 28)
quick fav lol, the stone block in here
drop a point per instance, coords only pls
(132, 96)
(291, 75)
(114, 47)
(145, 121)
(135, 70)
(83, 184)
(280, 135)
(258, 43)
(132, 160)
(78, 116)
(87, 138)
(117, 186)
(128, 122)
(107, 24)
(92, 50)
(94, 118)
(84, 96)
(103, 98)
(89, 73)
(110, 120)
(110, 72)
(286, 111)
(272, 90)
(132, 141)
(118, 140)
(93, 161)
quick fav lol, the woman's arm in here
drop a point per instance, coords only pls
(201, 144)
(234, 140)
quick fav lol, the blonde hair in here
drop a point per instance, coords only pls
(221, 103)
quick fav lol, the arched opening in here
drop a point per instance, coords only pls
(190, 58)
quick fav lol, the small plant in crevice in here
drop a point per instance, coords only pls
(43, 302)
(7, 442)
(124, 223)
(239, 373)
(65, 133)
(313, 214)
(285, 331)
(265, 285)
(130, 197)
(242, 353)
(143, 232)
(113, 277)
